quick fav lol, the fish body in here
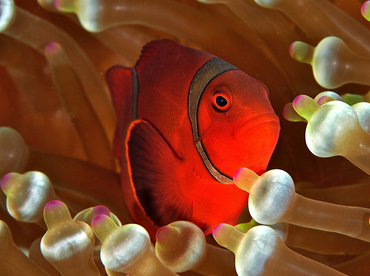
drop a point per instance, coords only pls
(186, 121)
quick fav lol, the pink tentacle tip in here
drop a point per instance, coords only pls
(245, 178)
(52, 47)
(299, 101)
(99, 220)
(218, 229)
(57, 4)
(238, 175)
(323, 100)
(365, 10)
(101, 210)
(162, 234)
(298, 50)
(53, 204)
(292, 49)
(5, 180)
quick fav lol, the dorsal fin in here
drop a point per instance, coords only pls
(155, 48)
(121, 86)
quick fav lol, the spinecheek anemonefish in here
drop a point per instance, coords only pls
(187, 121)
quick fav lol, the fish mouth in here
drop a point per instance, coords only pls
(259, 121)
(259, 136)
(249, 144)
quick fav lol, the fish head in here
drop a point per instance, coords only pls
(237, 124)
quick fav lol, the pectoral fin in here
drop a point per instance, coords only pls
(153, 165)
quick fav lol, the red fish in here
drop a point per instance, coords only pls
(187, 121)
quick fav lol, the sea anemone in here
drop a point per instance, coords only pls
(57, 126)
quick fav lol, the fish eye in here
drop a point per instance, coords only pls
(221, 102)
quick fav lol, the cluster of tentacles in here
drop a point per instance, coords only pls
(57, 126)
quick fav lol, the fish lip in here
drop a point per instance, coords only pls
(256, 121)
(268, 122)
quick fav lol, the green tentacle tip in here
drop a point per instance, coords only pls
(305, 106)
(365, 10)
(352, 99)
(245, 227)
(291, 115)
(301, 52)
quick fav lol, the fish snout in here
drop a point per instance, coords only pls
(260, 123)
(256, 139)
